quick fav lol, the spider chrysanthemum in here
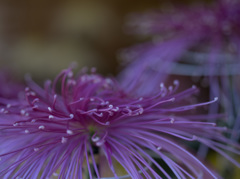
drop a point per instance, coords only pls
(55, 133)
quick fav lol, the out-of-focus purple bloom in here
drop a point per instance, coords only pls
(199, 41)
(55, 133)
(9, 88)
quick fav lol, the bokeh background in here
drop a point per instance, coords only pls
(42, 37)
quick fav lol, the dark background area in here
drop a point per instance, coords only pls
(42, 37)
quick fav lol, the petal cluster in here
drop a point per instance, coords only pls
(58, 130)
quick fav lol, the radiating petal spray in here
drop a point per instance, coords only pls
(57, 130)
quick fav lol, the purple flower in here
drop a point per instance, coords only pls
(201, 41)
(56, 133)
(214, 30)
